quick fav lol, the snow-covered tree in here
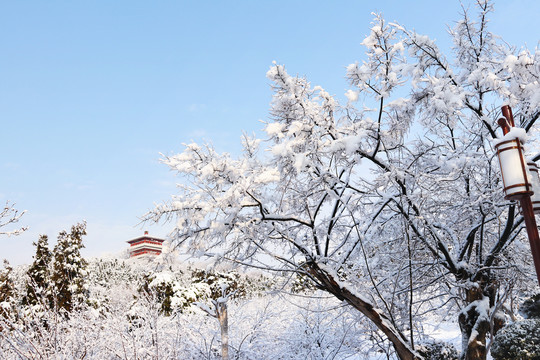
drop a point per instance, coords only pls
(219, 310)
(222, 288)
(7, 292)
(38, 273)
(395, 206)
(68, 269)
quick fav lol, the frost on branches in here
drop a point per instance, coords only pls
(9, 215)
(390, 201)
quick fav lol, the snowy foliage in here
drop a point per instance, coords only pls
(391, 201)
(128, 324)
(38, 273)
(518, 341)
(382, 210)
(438, 350)
(530, 309)
(68, 271)
(7, 291)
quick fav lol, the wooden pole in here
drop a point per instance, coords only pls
(525, 201)
(507, 113)
(532, 232)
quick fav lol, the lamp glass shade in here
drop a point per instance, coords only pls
(535, 181)
(515, 174)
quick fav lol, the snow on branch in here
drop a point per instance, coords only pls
(10, 215)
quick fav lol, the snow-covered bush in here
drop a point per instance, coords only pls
(301, 283)
(438, 350)
(518, 341)
(530, 309)
(177, 291)
(162, 287)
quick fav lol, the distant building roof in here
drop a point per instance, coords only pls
(145, 237)
(145, 245)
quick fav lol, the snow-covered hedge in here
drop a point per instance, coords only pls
(438, 350)
(518, 341)
(530, 309)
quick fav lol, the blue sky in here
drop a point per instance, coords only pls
(91, 92)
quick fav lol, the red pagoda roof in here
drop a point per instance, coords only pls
(145, 245)
(145, 237)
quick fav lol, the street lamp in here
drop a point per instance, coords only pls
(535, 180)
(517, 180)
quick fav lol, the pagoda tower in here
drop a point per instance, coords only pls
(145, 245)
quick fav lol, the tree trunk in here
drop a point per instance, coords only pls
(221, 310)
(398, 340)
(474, 322)
(474, 328)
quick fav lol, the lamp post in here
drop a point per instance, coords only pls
(519, 183)
(535, 177)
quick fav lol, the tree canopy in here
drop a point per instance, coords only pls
(390, 200)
